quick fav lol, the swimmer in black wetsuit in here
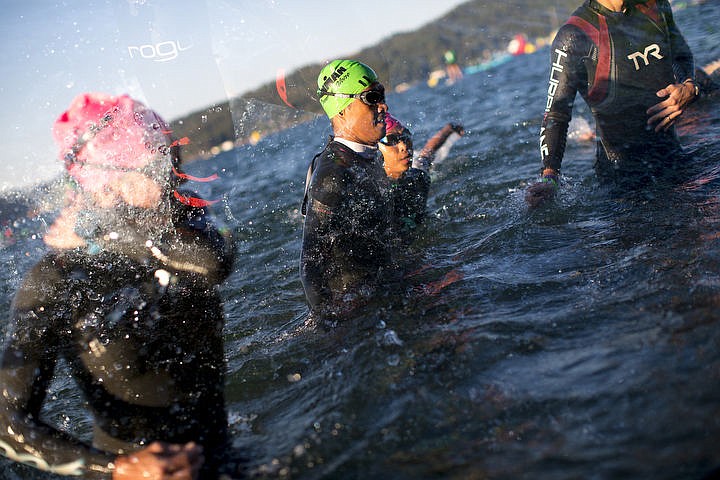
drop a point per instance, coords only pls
(630, 63)
(127, 297)
(411, 175)
(350, 228)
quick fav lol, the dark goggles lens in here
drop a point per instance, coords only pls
(373, 97)
(395, 138)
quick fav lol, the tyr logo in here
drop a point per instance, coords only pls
(650, 50)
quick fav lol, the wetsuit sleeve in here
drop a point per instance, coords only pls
(427, 154)
(410, 198)
(567, 77)
(683, 60)
(324, 209)
(27, 365)
(211, 244)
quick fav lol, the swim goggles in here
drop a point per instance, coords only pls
(394, 138)
(372, 97)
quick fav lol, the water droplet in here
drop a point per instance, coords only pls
(391, 338)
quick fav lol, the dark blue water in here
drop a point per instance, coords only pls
(580, 340)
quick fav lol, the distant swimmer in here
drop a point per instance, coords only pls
(350, 233)
(127, 301)
(520, 45)
(632, 66)
(453, 70)
(409, 174)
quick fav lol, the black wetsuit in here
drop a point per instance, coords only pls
(140, 328)
(617, 61)
(410, 193)
(351, 226)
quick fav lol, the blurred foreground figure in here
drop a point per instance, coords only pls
(127, 298)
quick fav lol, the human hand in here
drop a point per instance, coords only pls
(161, 461)
(663, 115)
(457, 128)
(542, 191)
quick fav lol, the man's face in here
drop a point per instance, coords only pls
(364, 123)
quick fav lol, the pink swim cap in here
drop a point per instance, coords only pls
(102, 136)
(392, 124)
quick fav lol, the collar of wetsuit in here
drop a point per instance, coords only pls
(366, 151)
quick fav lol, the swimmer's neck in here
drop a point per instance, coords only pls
(614, 5)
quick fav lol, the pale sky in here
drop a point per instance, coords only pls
(178, 56)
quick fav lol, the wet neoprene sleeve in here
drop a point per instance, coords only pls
(410, 198)
(28, 363)
(424, 159)
(683, 60)
(567, 77)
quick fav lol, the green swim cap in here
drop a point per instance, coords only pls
(342, 76)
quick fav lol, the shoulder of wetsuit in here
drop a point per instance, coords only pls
(664, 6)
(192, 248)
(332, 172)
(579, 28)
(196, 223)
(415, 176)
(341, 154)
(332, 177)
(197, 240)
(41, 285)
(60, 278)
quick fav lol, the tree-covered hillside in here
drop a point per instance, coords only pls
(474, 30)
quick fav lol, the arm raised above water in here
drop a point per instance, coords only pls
(426, 156)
